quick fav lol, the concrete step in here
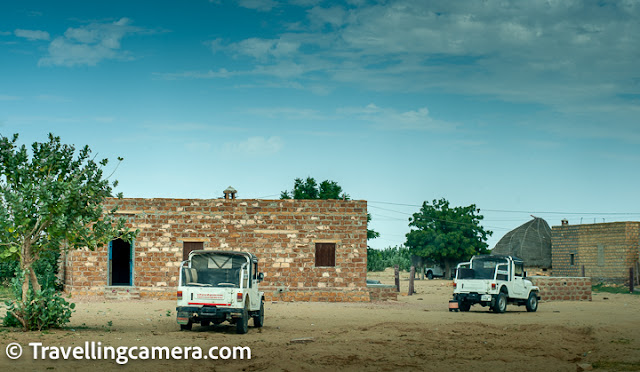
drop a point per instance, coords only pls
(122, 293)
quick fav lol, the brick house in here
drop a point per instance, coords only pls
(606, 250)
(309, 250)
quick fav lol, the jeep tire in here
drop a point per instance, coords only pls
(464, 306)
(186, 327)
(258, 319)
(242, 324)
(532, 302)
(501, 303)
(429, 275)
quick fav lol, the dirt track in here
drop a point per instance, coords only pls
(417, 332)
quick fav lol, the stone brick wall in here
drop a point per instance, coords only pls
(383, 293)
(282, 233)
(607, 250)
(563, 288)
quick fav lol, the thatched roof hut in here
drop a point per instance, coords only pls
(531, 242)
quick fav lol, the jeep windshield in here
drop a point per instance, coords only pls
(481, 268)
(214, 270)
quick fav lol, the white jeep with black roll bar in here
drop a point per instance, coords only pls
(218, 286)
(494, 281)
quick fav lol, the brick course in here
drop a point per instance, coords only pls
(607, 250)
(383, 293)
(563, 289)
(282, 233)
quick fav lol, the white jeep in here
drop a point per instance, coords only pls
(434, 271)
(493, 281)
(218, 286)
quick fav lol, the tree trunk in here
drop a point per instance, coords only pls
(26, 265)
(447, 269)
(411, 278)
(29, 280)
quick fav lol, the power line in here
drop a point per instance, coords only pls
(528, 212)
(441, 220)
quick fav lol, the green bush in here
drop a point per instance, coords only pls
(46, 269)
(8, 270)
(43, 309)
(378, 260)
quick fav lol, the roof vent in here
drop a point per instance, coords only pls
(565, 222)
(230, 193)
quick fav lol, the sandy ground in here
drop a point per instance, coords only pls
(415, 333)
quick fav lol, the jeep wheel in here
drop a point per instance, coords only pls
(429, 275)
(532, 302)
(501, 303)
(205, 323)
(258, 320)
(464, 306)
(186, 327)
(242, 325)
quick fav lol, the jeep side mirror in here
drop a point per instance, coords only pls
(260, 277)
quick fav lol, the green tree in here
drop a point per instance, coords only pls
(448, 235)
(50, 199)
(309, 189)
(378, 260)
(371, 234)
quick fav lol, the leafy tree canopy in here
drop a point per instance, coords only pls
(51, 197)
(445, 234)
(309, 189)
(371, 234)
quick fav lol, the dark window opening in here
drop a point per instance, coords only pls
(120, 262)
(572, 259)
(187, 247)
(325, 254)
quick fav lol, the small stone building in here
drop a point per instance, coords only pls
(606, 250)
(309, 250)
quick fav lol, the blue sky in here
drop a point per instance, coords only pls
(519, 107)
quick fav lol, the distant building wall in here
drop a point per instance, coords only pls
(284, 234)
(606, 250)
(563, 289)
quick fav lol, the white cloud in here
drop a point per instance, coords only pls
(289, 113)
(542, 49)
(52, 98)
(32, 34)
(560, 54)
(334, 16)
(221, 73)
(305, 2)
(4, 97)
(263, 49)
(260, 5)
(89, 45)
(198, 146)
(392, 119)
(255, 146)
